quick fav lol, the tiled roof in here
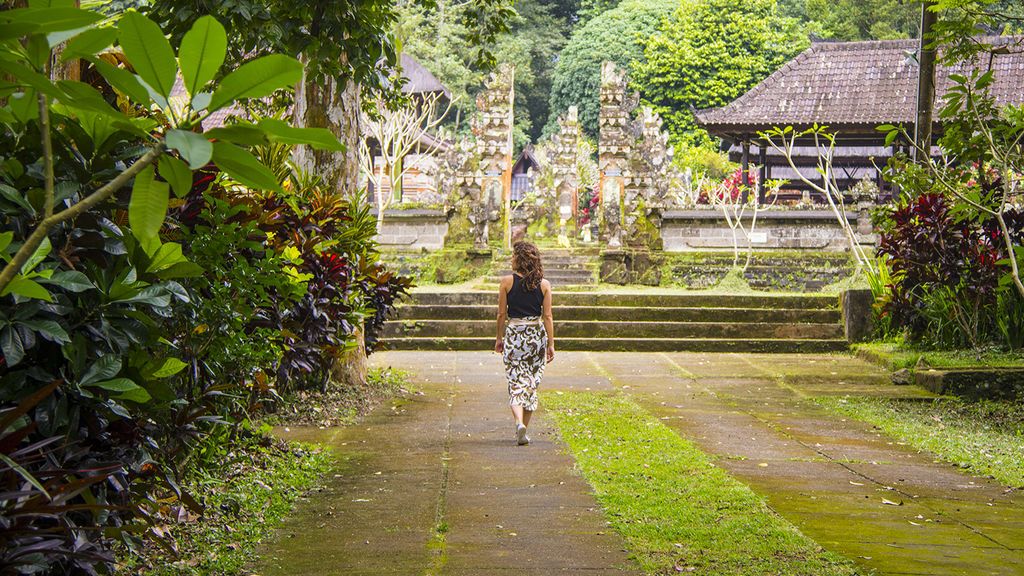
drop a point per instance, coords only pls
(856, 83)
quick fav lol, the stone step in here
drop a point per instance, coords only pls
(632, 344)
(623, 330)
(640, 300)
(622, 313)
(557, 280)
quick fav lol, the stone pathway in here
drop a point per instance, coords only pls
(434, 486)
(833, 478)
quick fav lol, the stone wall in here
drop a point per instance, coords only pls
(413, 230)
(706, 230)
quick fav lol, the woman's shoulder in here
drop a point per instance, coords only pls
(544, 284)
(506, 281)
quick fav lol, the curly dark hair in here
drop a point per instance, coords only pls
(526, 263)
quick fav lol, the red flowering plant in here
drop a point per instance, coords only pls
(588, 205)
(730, 189)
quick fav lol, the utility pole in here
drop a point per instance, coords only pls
(925, 84)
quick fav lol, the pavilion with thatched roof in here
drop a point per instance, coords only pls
(851, 87)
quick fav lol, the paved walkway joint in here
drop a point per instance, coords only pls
(435, 485)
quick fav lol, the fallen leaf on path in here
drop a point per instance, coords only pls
(891, 503)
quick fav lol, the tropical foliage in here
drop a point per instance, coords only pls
(617, 35)
(747, 40)
(953, 237)
(160, 281)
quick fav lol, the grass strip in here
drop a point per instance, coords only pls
(895, 356)
(678, 512)
(245, 498)
(984, 437)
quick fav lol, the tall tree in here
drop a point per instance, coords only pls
(347, 48)
(617, 35)
(863, 19)
(709, 54)
(438, 38)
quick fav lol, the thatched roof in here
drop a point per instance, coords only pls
(855, 83)
(421, 81)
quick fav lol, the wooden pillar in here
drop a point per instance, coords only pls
(745, 177)
(762, 158)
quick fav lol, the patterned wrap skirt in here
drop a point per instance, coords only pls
(526, 343)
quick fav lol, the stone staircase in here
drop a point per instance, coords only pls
(563, 269)
(630, 322)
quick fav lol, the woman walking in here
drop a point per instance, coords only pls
(525, 332)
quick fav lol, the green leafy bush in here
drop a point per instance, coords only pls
(107, 392)
(616, 35)
(708, 54)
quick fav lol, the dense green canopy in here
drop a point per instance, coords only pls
(710, 53)
(617, 35)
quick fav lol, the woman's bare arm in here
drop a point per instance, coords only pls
(549, 319)
(503, 286)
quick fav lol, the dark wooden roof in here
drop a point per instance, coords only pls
(420, 80)
(854, 83)
(526, 160)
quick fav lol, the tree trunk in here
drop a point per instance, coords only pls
(325, 104)
(925, 85)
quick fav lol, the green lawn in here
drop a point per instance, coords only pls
(678, 511)
(898, 356)
(985, 437)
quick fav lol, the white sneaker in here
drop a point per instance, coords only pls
(521, 437)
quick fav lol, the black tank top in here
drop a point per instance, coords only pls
(523, 303)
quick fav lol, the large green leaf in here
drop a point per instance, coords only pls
(25, 76)
(155, 296)
(257, 79)
(181, 270)
(147, 208)
(148, 51)
(28, 288)
(52, 4)
(194, 148)
(166, 256)
(15, 196)
(48, 329)
(243, 166)
(103, 369)
(71, 280)
(123, 80)
(170, 367)
(242, 133)
(5, 240)
(283, 132)
(177, 174)
(41, 252)
(202, 53)
(11, 346)
(84, 97)
(88, 43)
(125, 388)
(51, 19)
